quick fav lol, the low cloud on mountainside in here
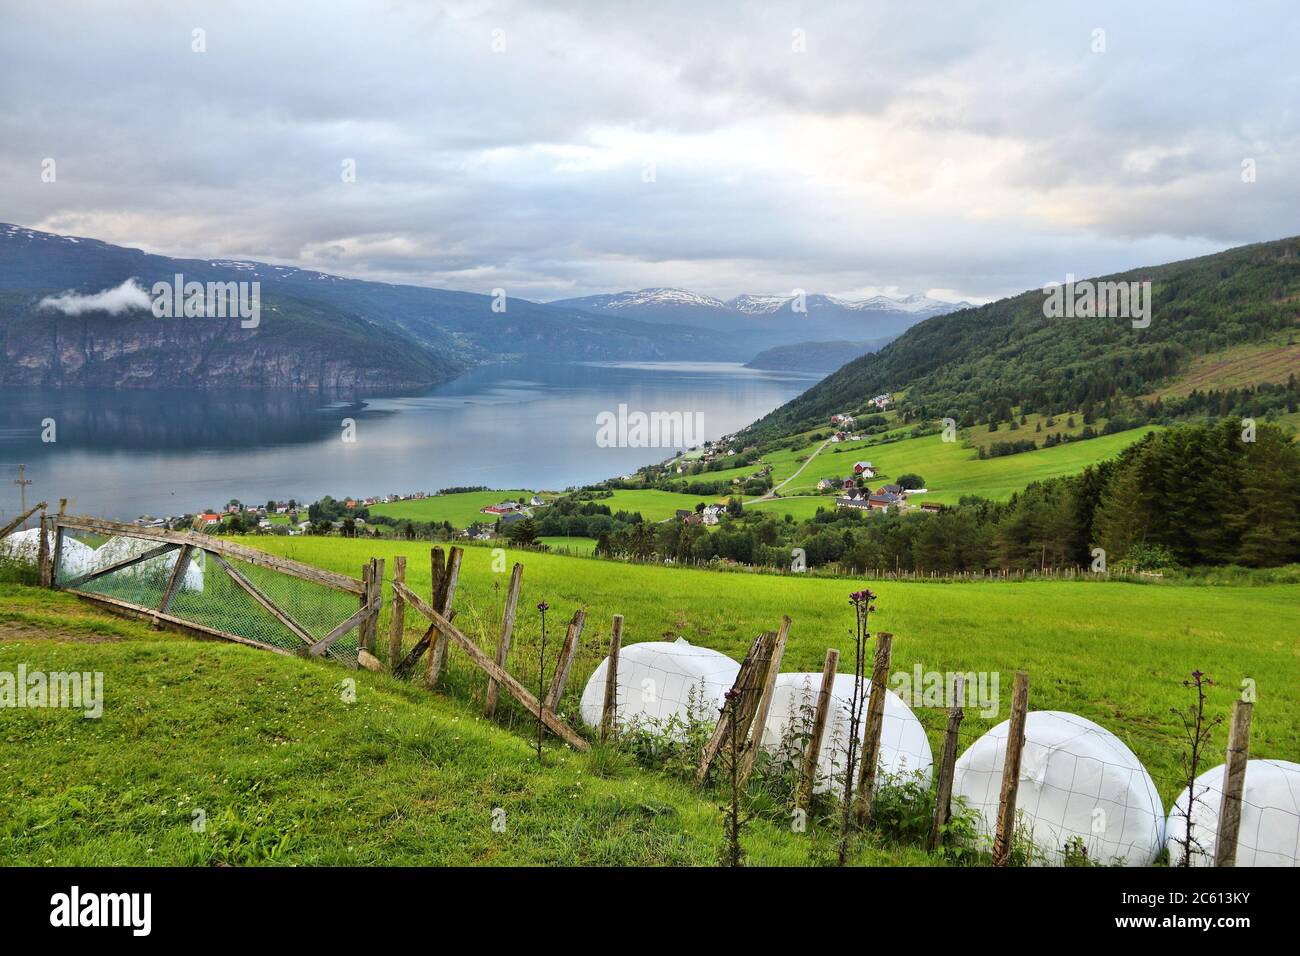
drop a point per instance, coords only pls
(123, 298)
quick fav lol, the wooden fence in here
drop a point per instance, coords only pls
(213, 587)
(742, 719)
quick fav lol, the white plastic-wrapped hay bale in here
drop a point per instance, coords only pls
(904, 748)
(662, 680)
(77, 558)
(1077, 780)
(23, 545)
(122, 548)
(1270, 817)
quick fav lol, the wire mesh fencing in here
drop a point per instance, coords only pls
(215, 587)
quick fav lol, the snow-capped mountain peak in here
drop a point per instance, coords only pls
(662, 297)
(759, 304)
(909, 304)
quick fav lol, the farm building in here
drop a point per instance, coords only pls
(853, 499)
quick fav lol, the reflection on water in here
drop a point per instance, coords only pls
(169, 420)
(123, 453)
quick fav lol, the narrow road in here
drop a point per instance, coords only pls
(773, 492)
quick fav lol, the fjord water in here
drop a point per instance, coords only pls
(122, 453)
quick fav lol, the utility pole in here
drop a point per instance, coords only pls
(22, 481)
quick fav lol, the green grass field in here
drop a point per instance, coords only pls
(1113, 652)
(461, 509)
(951, 470)
(784, 462)
(653, 505)
(288, 771)
(582, 546)
(801, 507)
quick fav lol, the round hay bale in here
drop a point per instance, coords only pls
(662, 682)
(1270, 817)
(77, 558)
(904, 748)
(1078, 782)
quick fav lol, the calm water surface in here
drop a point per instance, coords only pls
(120, 454)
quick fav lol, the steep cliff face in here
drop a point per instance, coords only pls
(296, 345)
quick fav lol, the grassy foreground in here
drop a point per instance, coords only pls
(286, 770)
(292, 764)
(1113, 652)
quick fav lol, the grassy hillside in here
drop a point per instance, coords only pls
(653, 505)
(1113, 652)
(288, 772)
(574, 545)
(1272, 360)
(460, 509)
(1008, 353)
(951, 470)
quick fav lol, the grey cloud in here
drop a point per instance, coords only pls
(523, 168)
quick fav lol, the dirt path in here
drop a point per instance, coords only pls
(772, 494)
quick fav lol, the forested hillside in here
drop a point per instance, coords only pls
(979, 364)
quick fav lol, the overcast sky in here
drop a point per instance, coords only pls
(557, 149)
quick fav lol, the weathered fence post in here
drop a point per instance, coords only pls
(363, 631)
(507, 632)
(765, 701)
(397, 621)
(1234, 781)
(875, 724)
(446, 593)
(813, 752)
(564, 662)
(1006, 830)
(21, 519)
(742, 701)
(57, 556)
(488, 665)
(43, 551)
(374, 598)
(947, 764)
(609, 712)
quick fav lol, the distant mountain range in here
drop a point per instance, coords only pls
(772, 319)
(324, 331)
(316, 331)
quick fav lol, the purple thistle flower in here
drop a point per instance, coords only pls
(865, 596)
(543, 607)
